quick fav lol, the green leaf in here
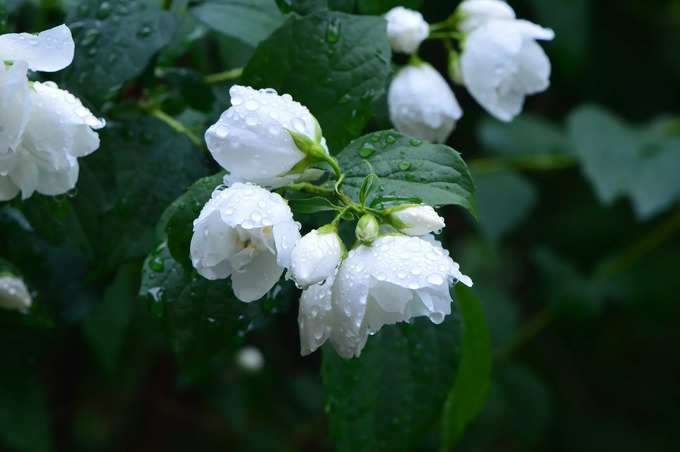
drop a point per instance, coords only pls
(382, 6)
(311, 205)
(251, 21)
(301, 6)
(504, 199)
(202, 319)
(619, 160)
(55, 220)
(390, 397)
(143, 165)
(408, 169)
(572, 20)
(115, 40)
(123, 188)
(468, 394)
(331, 62)
(566, 289)
(24, 417)
(525, 135)
(180, 215)
(518, 412)
(106, 327)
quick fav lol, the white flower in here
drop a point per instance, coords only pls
(472, 14)
(252, 142)
(13, 293)
(416, 219)
(58, 131)
(245, 232)
(406, 29)
(502, 63)
(316, 256)
(14, 107)
(422, 104)
(394, 280)
(48, 51)
(250, 359)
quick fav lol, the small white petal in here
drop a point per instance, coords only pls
(255, 279)
(255, 127)
(286, 235)
(14, 108)
(48, 51)
(13, 293)
(315, 257)
(406, 29)
(250, 359)
(422, 104)
(316, 317)
(475, 13)
(8, 189)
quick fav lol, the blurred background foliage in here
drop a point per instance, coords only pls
(575, 254)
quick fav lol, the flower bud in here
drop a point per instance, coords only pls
(422, 104)
(250, 359)
(266, 139)
(13, 293)
(406, 29)
(415, 219)
(367, 228)
(316, 256)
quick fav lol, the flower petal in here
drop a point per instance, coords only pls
(48, 51)
(286, 235)
(212, 245)
(316, 317)
(8, 189)
(256, 278)
(14, 106)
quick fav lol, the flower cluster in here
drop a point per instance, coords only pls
(43, 129)
(497, 60)
(394, 271)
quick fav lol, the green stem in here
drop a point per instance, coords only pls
(224, 76)
(537, 162)
(306, 187)
(337, 218)
(612, 267)
(175, 124)
(529, 330)
(624, 260)
(167, 5)
(446, 35)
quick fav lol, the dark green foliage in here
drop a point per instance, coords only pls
(333, 63)
(391, 396)
(409, 169)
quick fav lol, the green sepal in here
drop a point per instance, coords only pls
(312, 149)
(454, 68)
